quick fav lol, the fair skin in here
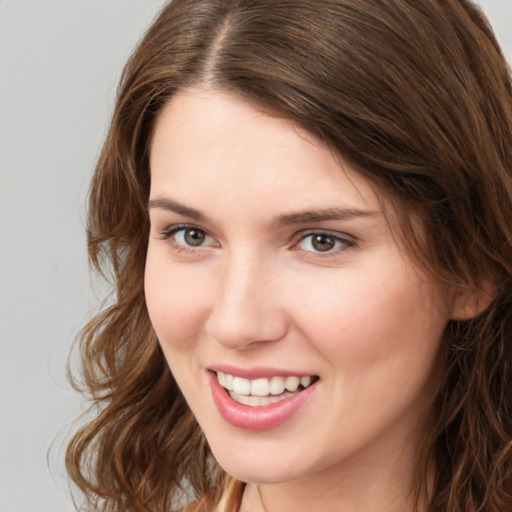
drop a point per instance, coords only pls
(239, 273)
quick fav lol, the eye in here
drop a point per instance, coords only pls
(187, 237)
(321, 242)
(190, 236)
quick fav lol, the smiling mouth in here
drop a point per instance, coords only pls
(263, 391)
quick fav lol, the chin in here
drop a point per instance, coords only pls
(259, 465)
(258, 473)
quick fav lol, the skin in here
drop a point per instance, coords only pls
(257, 292)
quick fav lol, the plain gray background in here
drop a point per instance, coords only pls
(59, 64)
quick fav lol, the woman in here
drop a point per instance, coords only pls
(305, 208)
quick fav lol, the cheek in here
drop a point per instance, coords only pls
(176, 302)
(367, 320)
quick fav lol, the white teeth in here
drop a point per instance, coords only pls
(255, 401)
(225, 380)
(229, 382)
(242, 386)
(262, 387)
(305, 381)
(276, 385)
(292, 383)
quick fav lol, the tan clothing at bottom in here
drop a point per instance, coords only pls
(236, 497)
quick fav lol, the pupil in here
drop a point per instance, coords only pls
(194, 237)
(323, 242)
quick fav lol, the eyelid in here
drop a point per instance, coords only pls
(170, 231)
(344, 239)
(347, 241)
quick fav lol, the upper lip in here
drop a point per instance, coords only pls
(256, 372)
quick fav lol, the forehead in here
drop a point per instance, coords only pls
(207, 141)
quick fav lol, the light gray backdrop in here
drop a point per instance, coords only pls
(59, 64)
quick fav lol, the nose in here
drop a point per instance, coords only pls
(248, 308)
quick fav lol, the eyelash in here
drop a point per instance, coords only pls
(342, 242)
(170, 232)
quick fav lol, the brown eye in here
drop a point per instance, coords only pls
(194, 237)
(322, 242)
(189, 238)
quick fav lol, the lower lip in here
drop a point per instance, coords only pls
(260, 417)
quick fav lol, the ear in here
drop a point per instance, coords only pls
(470, 302)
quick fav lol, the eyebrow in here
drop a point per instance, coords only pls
(321, 214)
(173, 206)
(301, 217)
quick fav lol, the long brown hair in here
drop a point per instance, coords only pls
(416, 96)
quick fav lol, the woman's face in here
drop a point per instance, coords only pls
(271, 262)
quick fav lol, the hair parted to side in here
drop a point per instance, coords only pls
(416, 96)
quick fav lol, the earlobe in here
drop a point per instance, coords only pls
(469, 303)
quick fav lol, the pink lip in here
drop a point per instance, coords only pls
(261, 417)
(256, 372)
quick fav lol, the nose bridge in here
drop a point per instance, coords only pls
(247, 307)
